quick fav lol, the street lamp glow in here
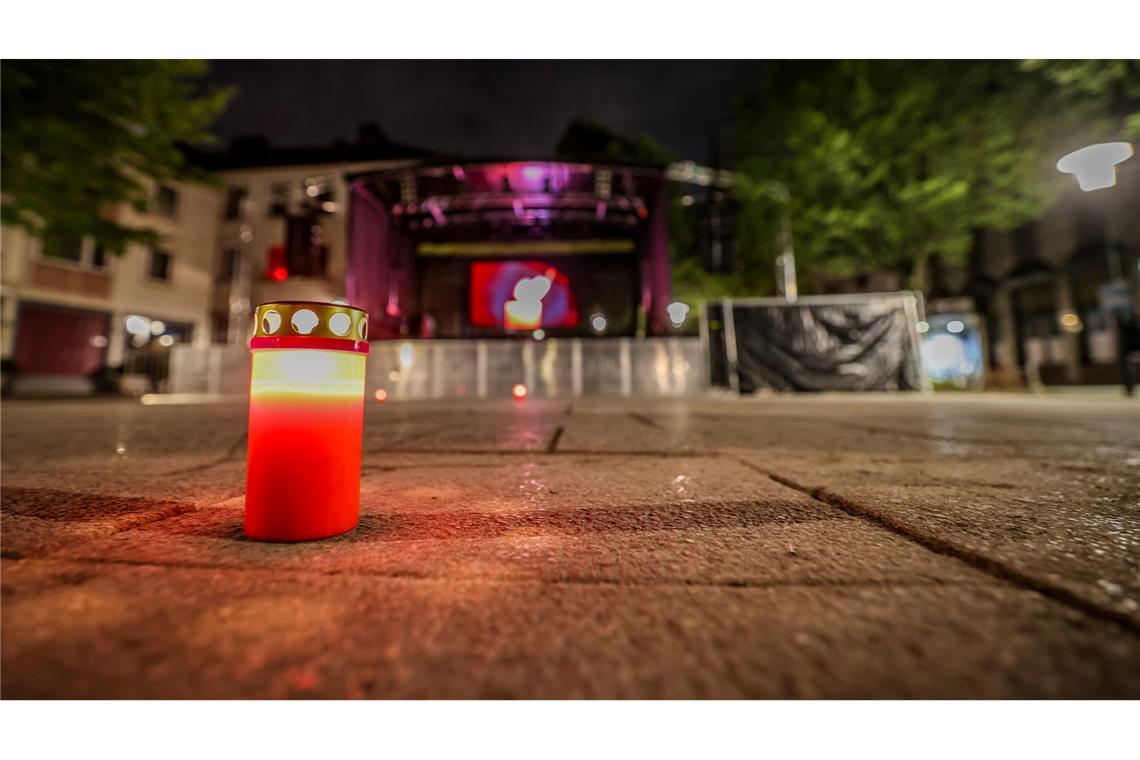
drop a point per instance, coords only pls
(1095, 165)
(677, 312)
(598, 322)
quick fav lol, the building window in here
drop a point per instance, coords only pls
(306, 253)
(74, 250)
(235, 198)
(219, 327)
(279, 199)
(166, 201)
(160, 265)
(227, 265)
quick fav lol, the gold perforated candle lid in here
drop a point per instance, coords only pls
(310, 319)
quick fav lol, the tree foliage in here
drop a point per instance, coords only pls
(584, 140)
(889, 162)
(79, 137)
(1116, 83)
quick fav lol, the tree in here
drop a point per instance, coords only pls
(585, 140)
(1115, 82)
(80, 137)
(889, 162)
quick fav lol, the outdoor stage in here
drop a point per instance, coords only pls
(438, 250)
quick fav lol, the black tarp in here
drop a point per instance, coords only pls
(857, 345)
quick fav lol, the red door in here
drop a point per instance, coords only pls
(51, 341)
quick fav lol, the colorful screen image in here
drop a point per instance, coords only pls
(521, 295)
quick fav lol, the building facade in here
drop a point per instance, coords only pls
(70, 309)
(273, 227)
(1054, 293)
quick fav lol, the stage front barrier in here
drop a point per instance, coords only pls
(860, 342)
(474, 369)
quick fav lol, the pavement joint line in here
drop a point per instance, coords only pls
(125, 525)
(687, 454)
(412, 437)
(967, 441)
(550, 447)
(371, 469)
(992, 567)
(547, 581)
(648, 422)
(230, 454)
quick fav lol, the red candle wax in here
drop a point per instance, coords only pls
(306, 414)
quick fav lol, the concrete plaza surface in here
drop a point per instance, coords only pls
(808, 546)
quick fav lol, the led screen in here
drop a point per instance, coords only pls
(521, 295)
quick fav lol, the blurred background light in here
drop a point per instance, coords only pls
(1071, 322)
(677, 312)
(137, 325)
(1095, 165)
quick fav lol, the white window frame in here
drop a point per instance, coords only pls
(86, 261)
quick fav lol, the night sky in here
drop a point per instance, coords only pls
(482, 108)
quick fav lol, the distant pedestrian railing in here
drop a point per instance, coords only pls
(443, 369)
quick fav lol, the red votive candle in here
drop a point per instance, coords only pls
(306, 421)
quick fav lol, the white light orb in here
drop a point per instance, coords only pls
(1095, 165)
(304, 320)
(677, 312)
(340, 323)
(270, 321)
(955, 326)
(137, 325)
(598, 322)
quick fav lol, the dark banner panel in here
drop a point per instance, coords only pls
(855, 345)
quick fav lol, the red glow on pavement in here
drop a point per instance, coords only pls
(380, 395)
(519, 391)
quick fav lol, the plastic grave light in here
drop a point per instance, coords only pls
(306, 415)
(1095, 165)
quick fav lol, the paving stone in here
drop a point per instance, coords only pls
(1069, 525)
(605, 547)
(145, 632)
(748, 546)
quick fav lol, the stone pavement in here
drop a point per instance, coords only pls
(820, 546)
